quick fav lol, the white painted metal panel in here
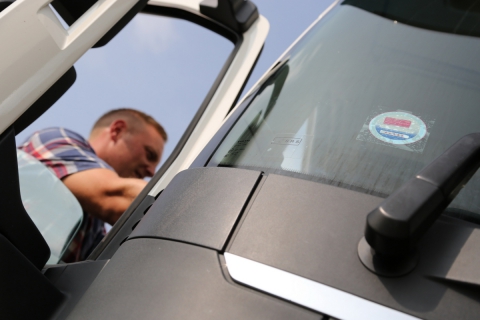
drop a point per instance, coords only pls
(36, 49)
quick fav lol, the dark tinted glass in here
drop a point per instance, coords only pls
(452, 16)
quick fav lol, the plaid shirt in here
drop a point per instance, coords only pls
(66, 152)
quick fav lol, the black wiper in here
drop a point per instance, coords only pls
(396, 225)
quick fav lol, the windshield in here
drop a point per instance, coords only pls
(363, 102)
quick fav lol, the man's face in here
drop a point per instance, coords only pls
(137, 154)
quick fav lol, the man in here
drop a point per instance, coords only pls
(104, 173)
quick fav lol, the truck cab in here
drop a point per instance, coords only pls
(344, 185)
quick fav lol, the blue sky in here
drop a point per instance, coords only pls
(165, 67)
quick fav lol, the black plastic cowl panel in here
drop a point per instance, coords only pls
(73, 280)
(199, 206)
(312, 230)
(161, 279)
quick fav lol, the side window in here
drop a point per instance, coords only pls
(52, 207)
(162, 66)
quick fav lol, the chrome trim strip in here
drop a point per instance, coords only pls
(308, 293)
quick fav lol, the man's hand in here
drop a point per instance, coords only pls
(102, 193)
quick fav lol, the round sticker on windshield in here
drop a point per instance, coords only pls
(397, 127)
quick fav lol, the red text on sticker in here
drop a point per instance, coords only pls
(397, 122)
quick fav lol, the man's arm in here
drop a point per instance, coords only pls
(102, 193)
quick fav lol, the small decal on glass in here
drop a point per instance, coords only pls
(286, 140)
(400, 129)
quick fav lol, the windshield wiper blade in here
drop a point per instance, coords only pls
(396, 225)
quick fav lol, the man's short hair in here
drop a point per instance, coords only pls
(132, 116)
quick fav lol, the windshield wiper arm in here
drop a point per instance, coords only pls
(396, 225)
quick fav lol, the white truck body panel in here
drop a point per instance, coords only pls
(37, 50)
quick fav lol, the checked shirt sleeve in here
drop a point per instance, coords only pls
(63, 151)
